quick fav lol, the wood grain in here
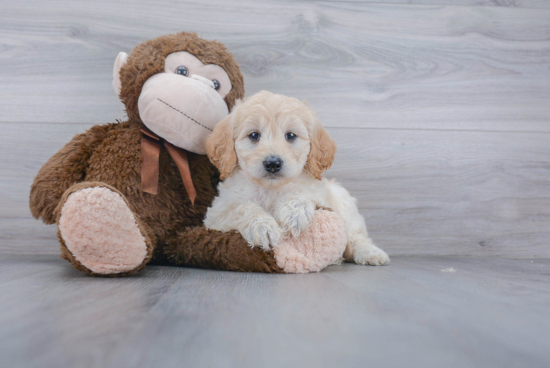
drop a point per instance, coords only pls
(454, 193)
(487, 313)
(541, 4)
(358, 64)
(421, 191)
(440, 113)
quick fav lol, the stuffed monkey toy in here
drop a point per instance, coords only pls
(129, 193)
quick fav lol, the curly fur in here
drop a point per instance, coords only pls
(268, 206)
(221, 147)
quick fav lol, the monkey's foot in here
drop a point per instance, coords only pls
(319, 246)
(101, 232)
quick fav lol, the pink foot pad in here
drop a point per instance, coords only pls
(319, 246)
(101, 232)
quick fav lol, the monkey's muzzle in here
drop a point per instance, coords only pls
(182, 110)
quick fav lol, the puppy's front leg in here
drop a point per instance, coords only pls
(256, 226)
(295, 212)
(259, 228)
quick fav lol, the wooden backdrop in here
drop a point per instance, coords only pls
(441, 112)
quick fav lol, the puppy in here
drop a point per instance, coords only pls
(271, 151)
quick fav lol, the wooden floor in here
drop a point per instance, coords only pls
(418, 312)
(440, 109)
(441, 114)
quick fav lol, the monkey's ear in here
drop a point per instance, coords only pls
(119, 62)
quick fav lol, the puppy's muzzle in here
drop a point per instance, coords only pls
(273, 164)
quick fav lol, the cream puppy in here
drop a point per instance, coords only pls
(271, 152)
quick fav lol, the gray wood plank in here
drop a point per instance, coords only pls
(537, 4)
(424, 192)
(487, 313)
(450, 193)
(359, 64)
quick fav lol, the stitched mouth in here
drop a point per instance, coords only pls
(184, 114)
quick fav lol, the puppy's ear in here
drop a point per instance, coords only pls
(220, 147)
(322, 151)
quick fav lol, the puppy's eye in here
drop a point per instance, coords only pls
(290, 136)
(254, 136)
(182, 70)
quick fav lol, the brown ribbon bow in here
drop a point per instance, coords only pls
(150, 153)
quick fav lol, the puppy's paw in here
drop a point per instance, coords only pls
(295, 216)
(371, 255)
(263, 231)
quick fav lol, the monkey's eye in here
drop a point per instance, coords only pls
(216, 84)
(182, 70)
(255, 136)
(290, 136)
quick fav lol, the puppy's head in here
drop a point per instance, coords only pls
(272, 138)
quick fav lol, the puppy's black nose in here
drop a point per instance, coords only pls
(273, 164)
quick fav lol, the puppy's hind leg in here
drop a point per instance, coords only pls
(360, 248)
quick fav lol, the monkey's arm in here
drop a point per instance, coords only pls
(204, 248)
(321, 245)
(65, 168)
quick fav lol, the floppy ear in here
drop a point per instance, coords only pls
(321, 152)
(220, 147)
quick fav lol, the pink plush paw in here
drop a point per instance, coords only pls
(101, 232)
(321, 245)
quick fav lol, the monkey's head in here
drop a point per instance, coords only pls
(179, 86)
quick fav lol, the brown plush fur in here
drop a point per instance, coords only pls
(200, 247)
(109, 155)
(153, 53)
